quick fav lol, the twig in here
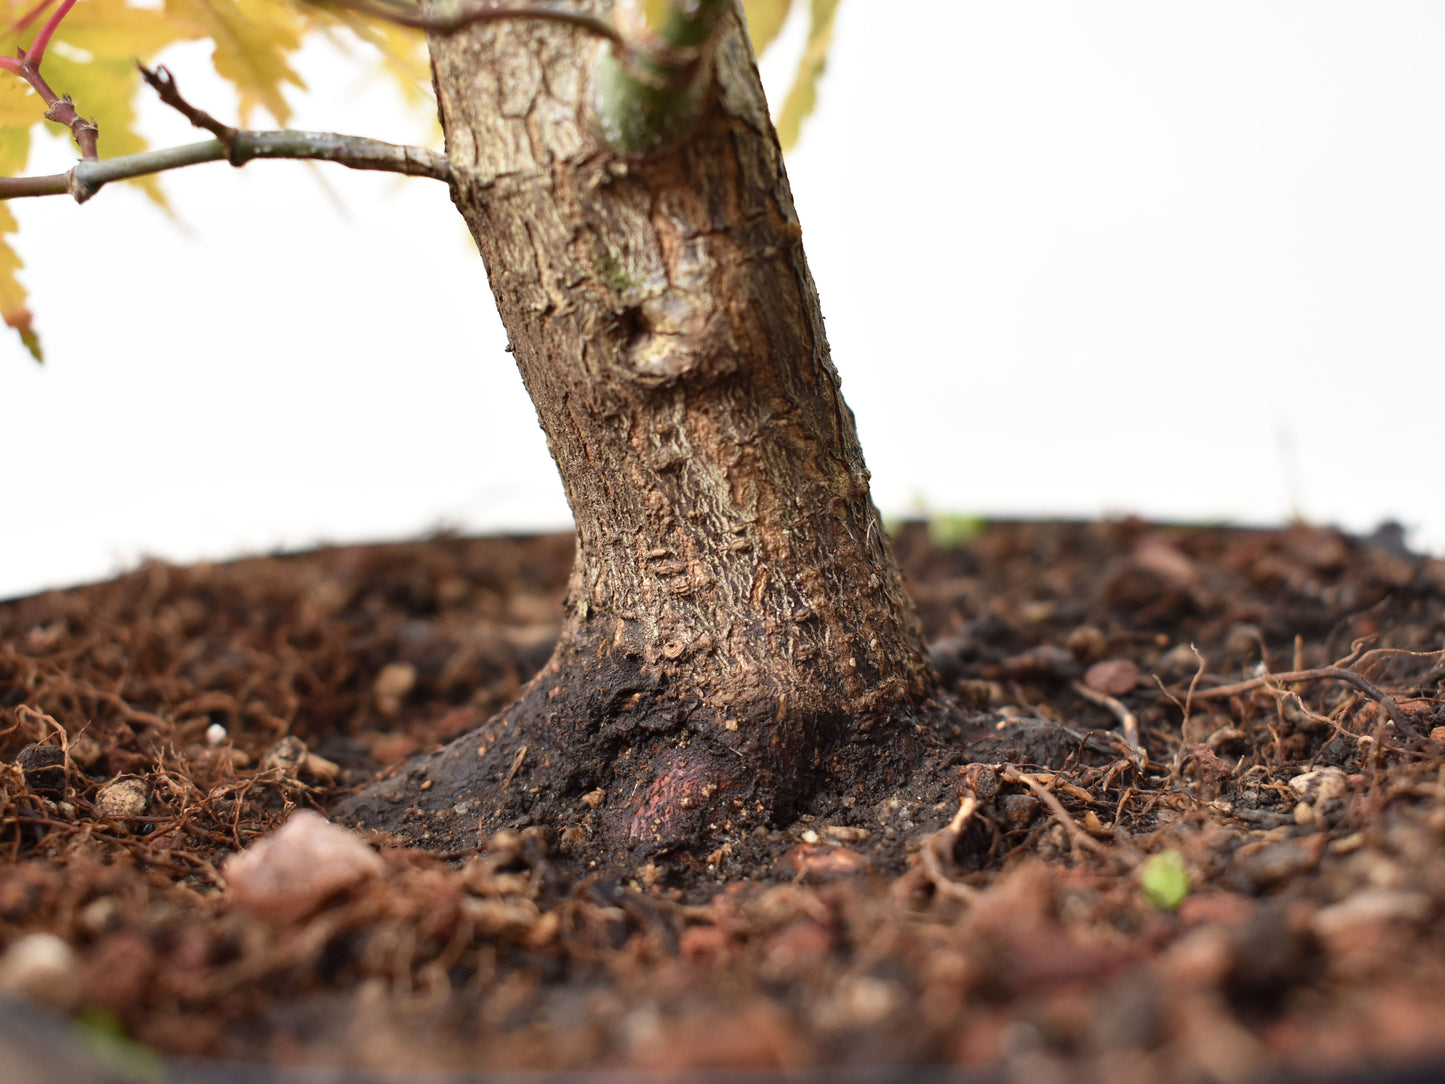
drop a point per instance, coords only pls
(516, 765)
(465, 15)
(1125, 717)
(1402, 722)
(1193, 684)
(1078, 835)
(164, 84)
(941, 843)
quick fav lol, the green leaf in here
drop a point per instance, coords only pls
(102, 1036)
(1165, 880)
(803, 96)
(765, 21)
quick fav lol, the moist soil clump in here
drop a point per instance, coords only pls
(1192, 830)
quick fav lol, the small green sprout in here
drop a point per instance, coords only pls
(1165, 880)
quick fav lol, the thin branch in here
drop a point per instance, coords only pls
(164, 84)
(1080, 837)
(485, 11)
(88, 176)
(938, 847)
(1126, 719)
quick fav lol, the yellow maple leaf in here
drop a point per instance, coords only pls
(20, 107)
(91, 59)
(253, 44)
(111, 29)
(765, 21)
(14, 306)
(401, 48)
(803, 96)
(14, 303)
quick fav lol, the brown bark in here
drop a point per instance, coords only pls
(734, 616)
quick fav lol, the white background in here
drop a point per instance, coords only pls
(1185, 260)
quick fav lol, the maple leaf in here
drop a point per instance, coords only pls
(765, 21)
(92, 56)
(14, 306)
(803, 97)
(254, 41)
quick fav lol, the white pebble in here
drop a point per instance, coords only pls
(42, 967)
(215, 734)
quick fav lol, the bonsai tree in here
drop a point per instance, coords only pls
(736, 633)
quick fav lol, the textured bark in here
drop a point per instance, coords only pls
(734, 616)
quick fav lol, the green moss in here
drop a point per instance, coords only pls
(614, 274)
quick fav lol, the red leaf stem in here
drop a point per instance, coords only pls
(36, 53)
(26, 64)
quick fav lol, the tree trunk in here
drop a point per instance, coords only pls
(736, 630)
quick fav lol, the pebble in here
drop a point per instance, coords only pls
(289, 874)
(43, 968)
(1254, 870)
(124, 796)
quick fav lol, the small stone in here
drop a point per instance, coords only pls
(1087, 644)
(1180, 659)
(44, 768)
(287, 756)
(291, 758)
(1112, 677)
(289, 874)
(43, 968)
(1321, 785)
(1373, 906)
(1258, 866)
(392, 685)
(215, 734)
(125, 796)
(1018, 810)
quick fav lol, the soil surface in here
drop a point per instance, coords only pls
(1225, 863)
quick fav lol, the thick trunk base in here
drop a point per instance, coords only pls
(616, 769)
(611, 763)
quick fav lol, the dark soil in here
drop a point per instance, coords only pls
(1256, 711)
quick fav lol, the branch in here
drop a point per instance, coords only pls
(484, 11)
(164, 84)
(646, 100)
(89, 175)
(58, 108)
